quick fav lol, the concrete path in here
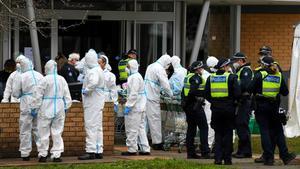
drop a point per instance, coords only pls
(237, 163)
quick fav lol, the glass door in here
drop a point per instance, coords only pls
(151, 42)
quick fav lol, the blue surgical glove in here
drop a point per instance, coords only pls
(66, 111)
(127, 110)
(33, 113)
(116, 108)
(84, 91)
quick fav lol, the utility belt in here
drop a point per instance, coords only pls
(221, 98)
(245, 96)
(260, 97)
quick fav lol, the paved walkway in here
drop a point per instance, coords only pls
(237, 163)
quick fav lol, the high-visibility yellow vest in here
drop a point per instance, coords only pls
(270, 84)
(187, 85)
(219, 85)
(122, 66)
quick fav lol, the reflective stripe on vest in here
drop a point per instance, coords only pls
(270, 84)
(219, 85)
(122, 66)
(187, 85)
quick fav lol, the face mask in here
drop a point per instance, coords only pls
(213, 69)
(18, 67)
(236, 65)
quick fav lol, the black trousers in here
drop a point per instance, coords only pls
(223, 124)
(242, 127)
(271, 130)
(196, 118)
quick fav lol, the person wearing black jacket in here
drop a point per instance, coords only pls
(222, 91)
(267, 86)
(193, 100)
(243, 111)
(68, 70)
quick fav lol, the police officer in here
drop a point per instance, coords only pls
(264, 51)
(268, 84)
(193, 94)
(243, 111)
(222, 90)
(123, 75)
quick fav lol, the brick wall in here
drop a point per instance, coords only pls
(73, 135)
(257, 29)
(275, 30)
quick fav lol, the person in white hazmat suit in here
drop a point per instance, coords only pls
(23, 86)
(80, 66)
(93, 103)
(7, 94)
(211, 62)
(52, 99)
(156, 81)
(176, 84)
(177, 79)
(110, 89)
(134, 112)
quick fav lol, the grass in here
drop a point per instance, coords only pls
(142, 164)
(292, 143)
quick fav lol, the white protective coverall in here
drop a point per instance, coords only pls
(110, 89)
(23, 86)
(176, 83)
(177, 79)
(7, 94)
(93, 103)
(207, 110)
(156, 80)
(135, 120)
(81, 67)
(51, 99)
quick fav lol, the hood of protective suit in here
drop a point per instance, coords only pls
(20, 57)
(91, 59)
(175, 61)
(106, 58)
(25, 64)
(211, 61)
(51, 67)
(108, 67)
(133, 66)
(164, 60)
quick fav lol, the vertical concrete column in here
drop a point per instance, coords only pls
(34, 36)
(200, 30)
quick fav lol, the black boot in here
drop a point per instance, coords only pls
(218, 162)
(126, 153)
(158, 146)
(43, 159)
(57, 160)
(269, 162)
(26, 158)
(144, 153)
(259, 160)
(87, 156)
(236, 155)
(98, 155)
(193, 156)
(289, 158)
(227, 162)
